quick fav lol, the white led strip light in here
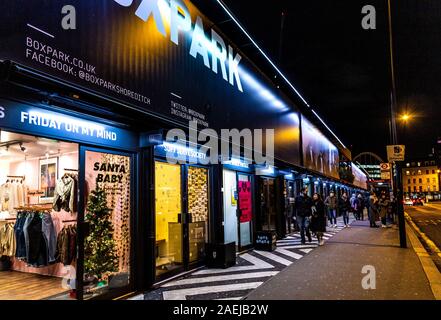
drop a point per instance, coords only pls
(275, 67)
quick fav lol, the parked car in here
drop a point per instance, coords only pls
(418, 202)
(408, 202)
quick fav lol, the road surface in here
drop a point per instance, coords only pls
(428, 219)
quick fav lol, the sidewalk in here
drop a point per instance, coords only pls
(333, 272)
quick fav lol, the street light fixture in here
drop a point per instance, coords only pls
(405, 117)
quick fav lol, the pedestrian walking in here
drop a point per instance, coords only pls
(345, 207)
(303, 207)
(352, 201)
(383, 205)
(359, 206)
(318, 219)
(331, 204)
(373, 209)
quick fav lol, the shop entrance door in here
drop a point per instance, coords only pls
(181, 214)
(105, 214)
(267, 210)
(290, 193)
(245, 207)
(238, 209)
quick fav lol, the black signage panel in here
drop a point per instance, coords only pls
(161, 56)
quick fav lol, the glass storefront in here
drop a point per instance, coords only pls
(198, 209)
(168, 211)
(267, 211)
(107, 241)
(238, 208)
(38, 217)
(181, 232)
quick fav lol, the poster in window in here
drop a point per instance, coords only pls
(245, 201)
(48, 179)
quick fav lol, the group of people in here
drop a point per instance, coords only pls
(380, 209)
(314, 214)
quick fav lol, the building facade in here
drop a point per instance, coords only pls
(421, 178)
(83, 122)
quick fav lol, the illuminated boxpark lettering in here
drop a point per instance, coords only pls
(179, 18)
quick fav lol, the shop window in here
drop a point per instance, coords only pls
(168, 215)
(198, 210)
(38, 202)
(107, 215)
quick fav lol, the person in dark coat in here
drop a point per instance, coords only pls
(318, 220)
(303, 206)
(345, 207)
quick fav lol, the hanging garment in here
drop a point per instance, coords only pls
(37, 249)
(4, 196)
(7, 240)
(50, 237)
(65, 194)
(20, 252)
(67, 245)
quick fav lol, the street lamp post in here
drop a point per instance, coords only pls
(398, 183)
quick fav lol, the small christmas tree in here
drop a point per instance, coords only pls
(99, 244)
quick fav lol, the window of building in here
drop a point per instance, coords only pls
(421, 189)
(427, 171)
(432, 162)
(433, 180)
(420, 180)
(419, 171)
(408, 181)
(419, 164)
(414, 180)
(434, 188)
(408, 189)
(407, 173)
(433, 171)
(428, 180)
(414, 188)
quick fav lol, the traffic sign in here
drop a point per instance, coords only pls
(385, 175)
(395, 153)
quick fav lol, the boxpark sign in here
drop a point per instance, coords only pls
(179, 18)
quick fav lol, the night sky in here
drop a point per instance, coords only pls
(343, 70)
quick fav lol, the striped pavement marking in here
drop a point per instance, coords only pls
(240, 276)
(289, 253)
(181, 294)
(253, 268)
(274, 257)
(256, 265)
